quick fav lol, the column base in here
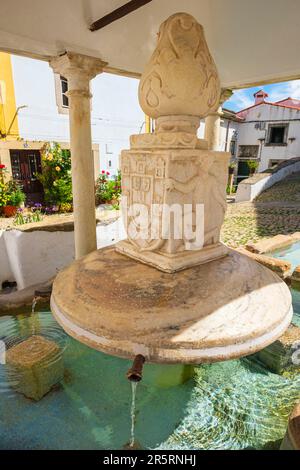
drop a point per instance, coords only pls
(172, 263)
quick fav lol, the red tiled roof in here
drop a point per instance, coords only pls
(271, 104)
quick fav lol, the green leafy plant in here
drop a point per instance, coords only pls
(252, 165)
(233, 190)
(3, 186)
(3, 194)
(11, 193)
(56, 175)
(30, 216)
(15, 194)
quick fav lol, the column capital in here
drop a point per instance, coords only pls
(78, 69)
(226, 93)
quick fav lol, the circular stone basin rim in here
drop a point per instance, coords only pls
(222, 310)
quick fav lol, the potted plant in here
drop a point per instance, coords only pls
(231, 168)
(14, 198)
(252, 165)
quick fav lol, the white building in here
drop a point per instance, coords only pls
(116, 113)
(267, 132)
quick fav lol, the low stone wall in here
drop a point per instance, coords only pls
(274, 243)
(6, 273)
(37, 256)
(281, 268)
(33, 254)
(250, 188)
(259, 251)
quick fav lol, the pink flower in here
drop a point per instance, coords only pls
(108, 173)
(103, 172)
(2, 167)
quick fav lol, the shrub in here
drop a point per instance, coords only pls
(3, 194)
(56, 175)
(108, 190)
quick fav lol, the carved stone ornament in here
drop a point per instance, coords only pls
(173, 188)
(181, 76)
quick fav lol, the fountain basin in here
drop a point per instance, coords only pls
(225, 309)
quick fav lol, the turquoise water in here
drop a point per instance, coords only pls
(231, 405)
(291, 253)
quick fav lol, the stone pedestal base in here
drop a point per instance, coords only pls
(36, 366)
(173, 262)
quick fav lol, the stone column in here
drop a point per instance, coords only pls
(213, 123)
(79, 70)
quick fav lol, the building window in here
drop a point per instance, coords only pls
(248, 152)
(64, 89)
(109, 163)
(61, 88)
(277, 134)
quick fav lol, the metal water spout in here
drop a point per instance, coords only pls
(135, 373)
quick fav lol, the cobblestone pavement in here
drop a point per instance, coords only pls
(275, 211)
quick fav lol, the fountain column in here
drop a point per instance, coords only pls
(213, 123)
(79, 70)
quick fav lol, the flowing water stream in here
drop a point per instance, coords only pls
(132, 413)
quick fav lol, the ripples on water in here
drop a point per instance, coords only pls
(231, 405)
(236, 405)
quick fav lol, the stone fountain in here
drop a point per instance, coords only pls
(173, 295)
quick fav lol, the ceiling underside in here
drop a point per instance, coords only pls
(252, 42)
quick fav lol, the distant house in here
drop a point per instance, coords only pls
(267, 132)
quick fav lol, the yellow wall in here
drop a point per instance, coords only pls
(7, 98)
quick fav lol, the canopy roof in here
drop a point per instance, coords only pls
(251, 41)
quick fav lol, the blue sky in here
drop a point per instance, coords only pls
(244, 98)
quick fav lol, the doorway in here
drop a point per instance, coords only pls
(25, 165)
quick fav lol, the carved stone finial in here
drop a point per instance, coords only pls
(181, 77)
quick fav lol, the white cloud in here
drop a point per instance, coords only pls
(241, 99)
(284, 90)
